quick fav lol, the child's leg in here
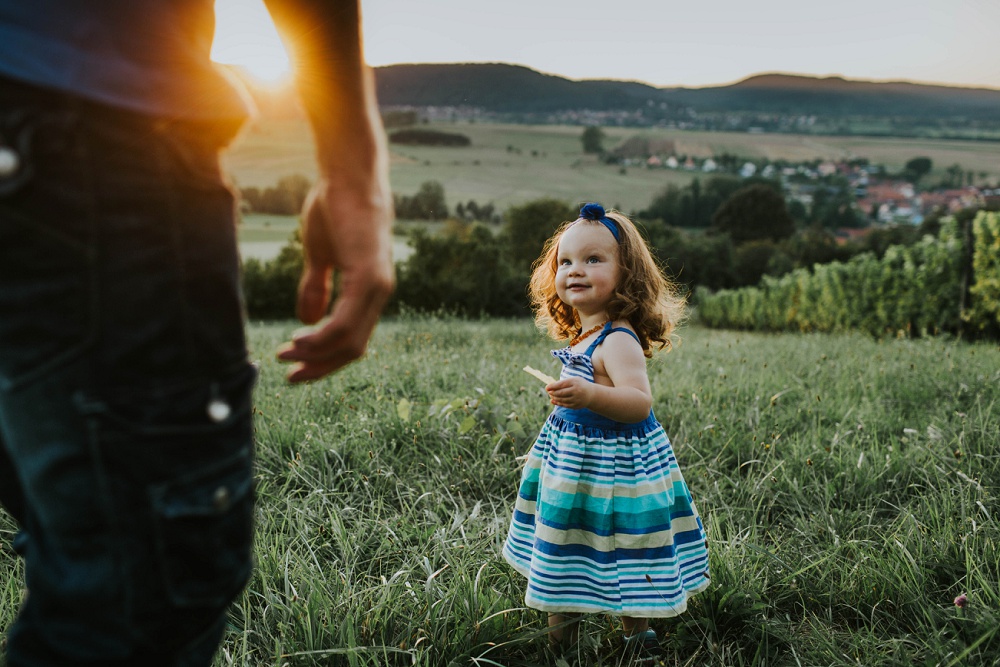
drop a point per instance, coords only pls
(565, 629)
(634, 626)
(642, 648)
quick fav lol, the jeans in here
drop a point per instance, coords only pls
(126, 445)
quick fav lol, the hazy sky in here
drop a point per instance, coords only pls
(668, 42)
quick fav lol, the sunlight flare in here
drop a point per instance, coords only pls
(245, 36)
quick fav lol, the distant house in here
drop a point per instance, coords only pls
(709, 165)
(748, 169)
(826, 168)
(949, 201)
(672, 162)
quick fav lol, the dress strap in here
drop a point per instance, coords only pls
(628, 331)
(607, 331)
(600, 338)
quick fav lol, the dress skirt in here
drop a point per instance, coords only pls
(604, 522)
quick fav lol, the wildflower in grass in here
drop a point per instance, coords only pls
(961, 601)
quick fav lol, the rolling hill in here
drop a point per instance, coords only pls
(502, 88)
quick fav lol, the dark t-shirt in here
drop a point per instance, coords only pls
(150, 56)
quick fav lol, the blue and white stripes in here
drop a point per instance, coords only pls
(603, 520)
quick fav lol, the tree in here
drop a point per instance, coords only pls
(428, 204)
(593, 139)
(693, 205)
(459, 270)
(692, 259)
(529, 226)
(918, 167)
(955, 175)
(286, 198)
(270, 288)
(297, 188)
(754, 212)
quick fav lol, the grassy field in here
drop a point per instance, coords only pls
(848, 487)
(262, 235)
(546, 160)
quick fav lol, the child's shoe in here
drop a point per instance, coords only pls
(643, 649)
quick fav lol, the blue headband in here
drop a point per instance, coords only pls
(595, 211)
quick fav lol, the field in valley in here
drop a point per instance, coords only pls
(547, 160)
(848, 486)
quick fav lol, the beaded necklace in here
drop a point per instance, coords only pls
(584, 334)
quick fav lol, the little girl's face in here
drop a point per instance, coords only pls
(587, 268)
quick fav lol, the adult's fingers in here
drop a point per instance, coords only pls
(314, 293)
(343, 338)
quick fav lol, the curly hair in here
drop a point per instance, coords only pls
(652, 304)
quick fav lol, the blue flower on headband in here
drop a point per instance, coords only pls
(595, 211)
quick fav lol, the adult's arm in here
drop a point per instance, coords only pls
(347, 218)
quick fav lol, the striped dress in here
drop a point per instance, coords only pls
(603, 520)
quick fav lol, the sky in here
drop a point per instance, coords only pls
(661, 42)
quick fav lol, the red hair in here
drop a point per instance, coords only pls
(644, 297)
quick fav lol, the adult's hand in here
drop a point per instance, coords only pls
(347, 231)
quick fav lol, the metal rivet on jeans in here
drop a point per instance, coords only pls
(10, 161)
(220, 499)
(218, 410)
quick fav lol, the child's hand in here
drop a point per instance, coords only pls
(573, 393)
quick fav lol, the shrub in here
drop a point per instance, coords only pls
(755, 212)
(528, 227)
(694, 260)
(286, 198)
(461, 270)
(427, 204)
(912, 290)
(270, 288)
(751, 261)
(984, 311)
(422, 137)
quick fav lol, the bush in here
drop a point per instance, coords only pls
(755, 212)
(286, 198)
(420, 137)
(462, 270)
(428, 204)
(984, 311)
(693, 260)
(270, 288)
(751, 261)
(528, 227)
(912, 290)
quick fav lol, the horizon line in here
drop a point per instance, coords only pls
(818, 77)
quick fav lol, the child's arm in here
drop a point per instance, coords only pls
(628, 400)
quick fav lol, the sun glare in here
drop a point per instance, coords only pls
(245, 36)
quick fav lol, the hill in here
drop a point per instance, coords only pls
(503, 88)
(513, 89)
(772, 102)
(784, 93)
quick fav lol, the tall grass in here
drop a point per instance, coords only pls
(848, 487)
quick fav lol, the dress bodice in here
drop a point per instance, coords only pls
(581, 364)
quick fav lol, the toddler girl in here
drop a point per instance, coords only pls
(603, 520)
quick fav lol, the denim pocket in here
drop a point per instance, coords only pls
(178, 460)
(47, 257)
(203, 527)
